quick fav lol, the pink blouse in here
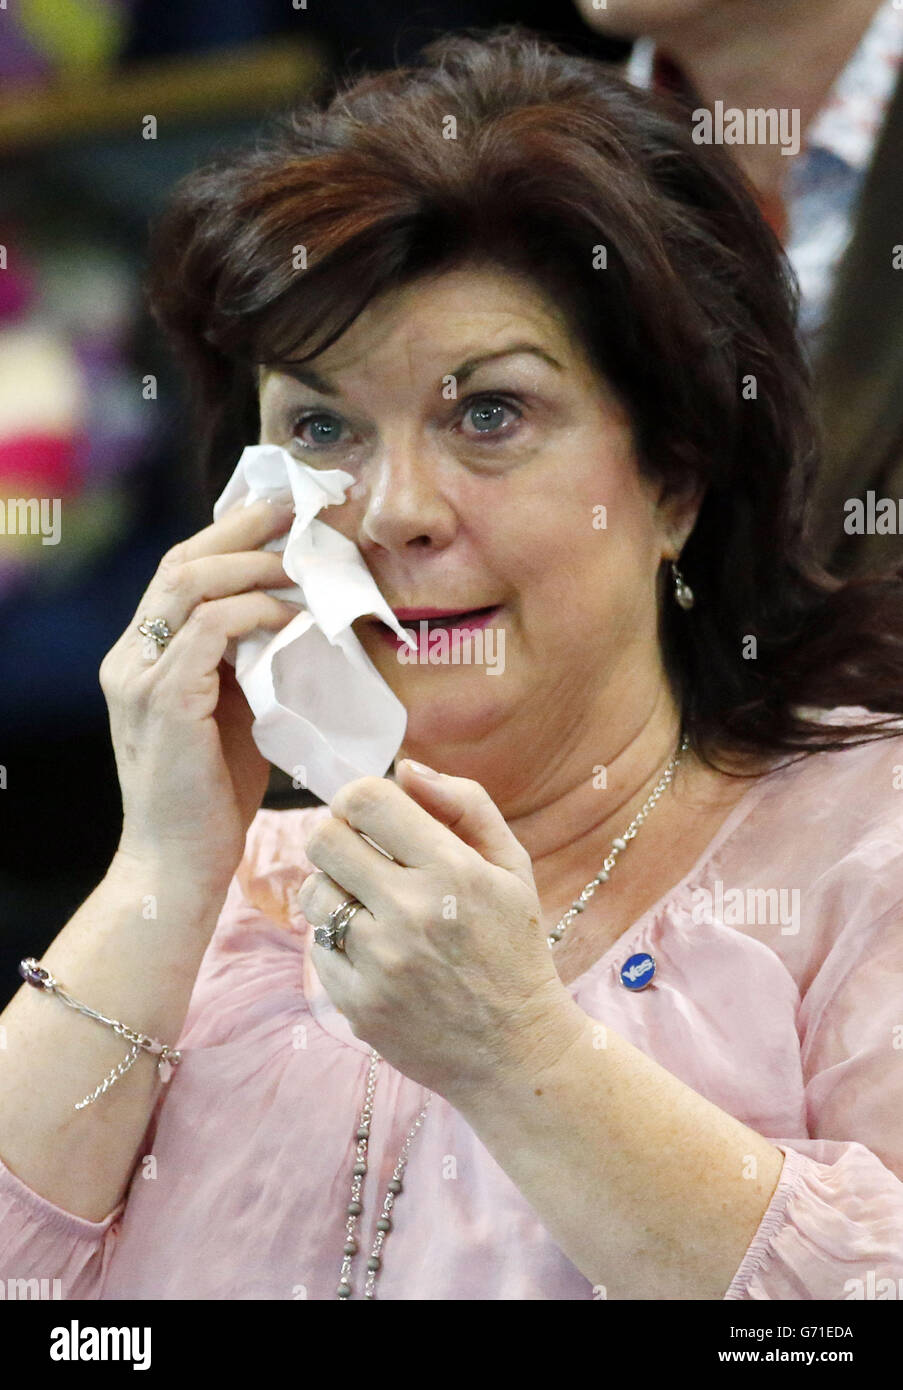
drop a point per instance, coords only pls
(778, 995)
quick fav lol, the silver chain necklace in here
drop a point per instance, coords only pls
(394, 1187)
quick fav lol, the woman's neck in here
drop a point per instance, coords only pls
(569, 838)
(592, 800)
(565, 797)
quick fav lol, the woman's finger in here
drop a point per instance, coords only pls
(320, 895)
(200, 643)
(470, 812)
(240, 528)
(178, 587)
(379, 808)
(359, 869)
(463, 816)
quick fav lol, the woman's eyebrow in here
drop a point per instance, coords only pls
(308, 377)
(467, 368)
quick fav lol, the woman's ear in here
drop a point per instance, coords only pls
(677, 510)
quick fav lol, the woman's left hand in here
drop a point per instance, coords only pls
(445, 968)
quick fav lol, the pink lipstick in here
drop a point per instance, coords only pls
(455, 621)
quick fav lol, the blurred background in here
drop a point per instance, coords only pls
(91, 410)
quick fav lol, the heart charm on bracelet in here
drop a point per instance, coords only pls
(166, 1064)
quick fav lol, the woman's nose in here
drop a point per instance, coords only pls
(402, 499)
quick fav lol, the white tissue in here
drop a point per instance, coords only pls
(322, 712)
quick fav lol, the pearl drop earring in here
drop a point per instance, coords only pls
(682, 591)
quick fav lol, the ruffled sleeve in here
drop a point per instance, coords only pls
(834, 1227)
(41, 1243)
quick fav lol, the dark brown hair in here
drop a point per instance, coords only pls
(551, 158)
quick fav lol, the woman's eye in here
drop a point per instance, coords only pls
(484, 418)
(489, 416)
(317, 429)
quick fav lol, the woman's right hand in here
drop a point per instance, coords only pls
(192, 778)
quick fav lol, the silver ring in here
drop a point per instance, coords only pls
(343, 925)
(158, 629)
(332, 934)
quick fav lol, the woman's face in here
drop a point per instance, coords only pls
(492, 469)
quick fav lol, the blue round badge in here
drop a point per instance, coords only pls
(637, 972)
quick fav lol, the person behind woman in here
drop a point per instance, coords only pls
(552, 342)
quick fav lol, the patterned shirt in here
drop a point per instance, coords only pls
(825, 180)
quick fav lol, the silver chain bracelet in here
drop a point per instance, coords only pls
(34, 974)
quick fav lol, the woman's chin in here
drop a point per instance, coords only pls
(445, 703)
(465, 714)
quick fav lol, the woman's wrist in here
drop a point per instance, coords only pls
(151, 873)
(546, 1032)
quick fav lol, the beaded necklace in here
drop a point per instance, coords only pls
(395, 1184)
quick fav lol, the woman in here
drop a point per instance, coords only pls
(552, 341)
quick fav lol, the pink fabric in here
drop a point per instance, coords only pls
(796, 1034)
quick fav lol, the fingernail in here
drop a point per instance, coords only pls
(421, 768)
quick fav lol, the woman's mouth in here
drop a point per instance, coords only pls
(422, 621)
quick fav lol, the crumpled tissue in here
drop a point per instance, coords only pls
(322, 712)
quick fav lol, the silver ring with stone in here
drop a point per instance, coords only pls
(158, 629)
(332, 934)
